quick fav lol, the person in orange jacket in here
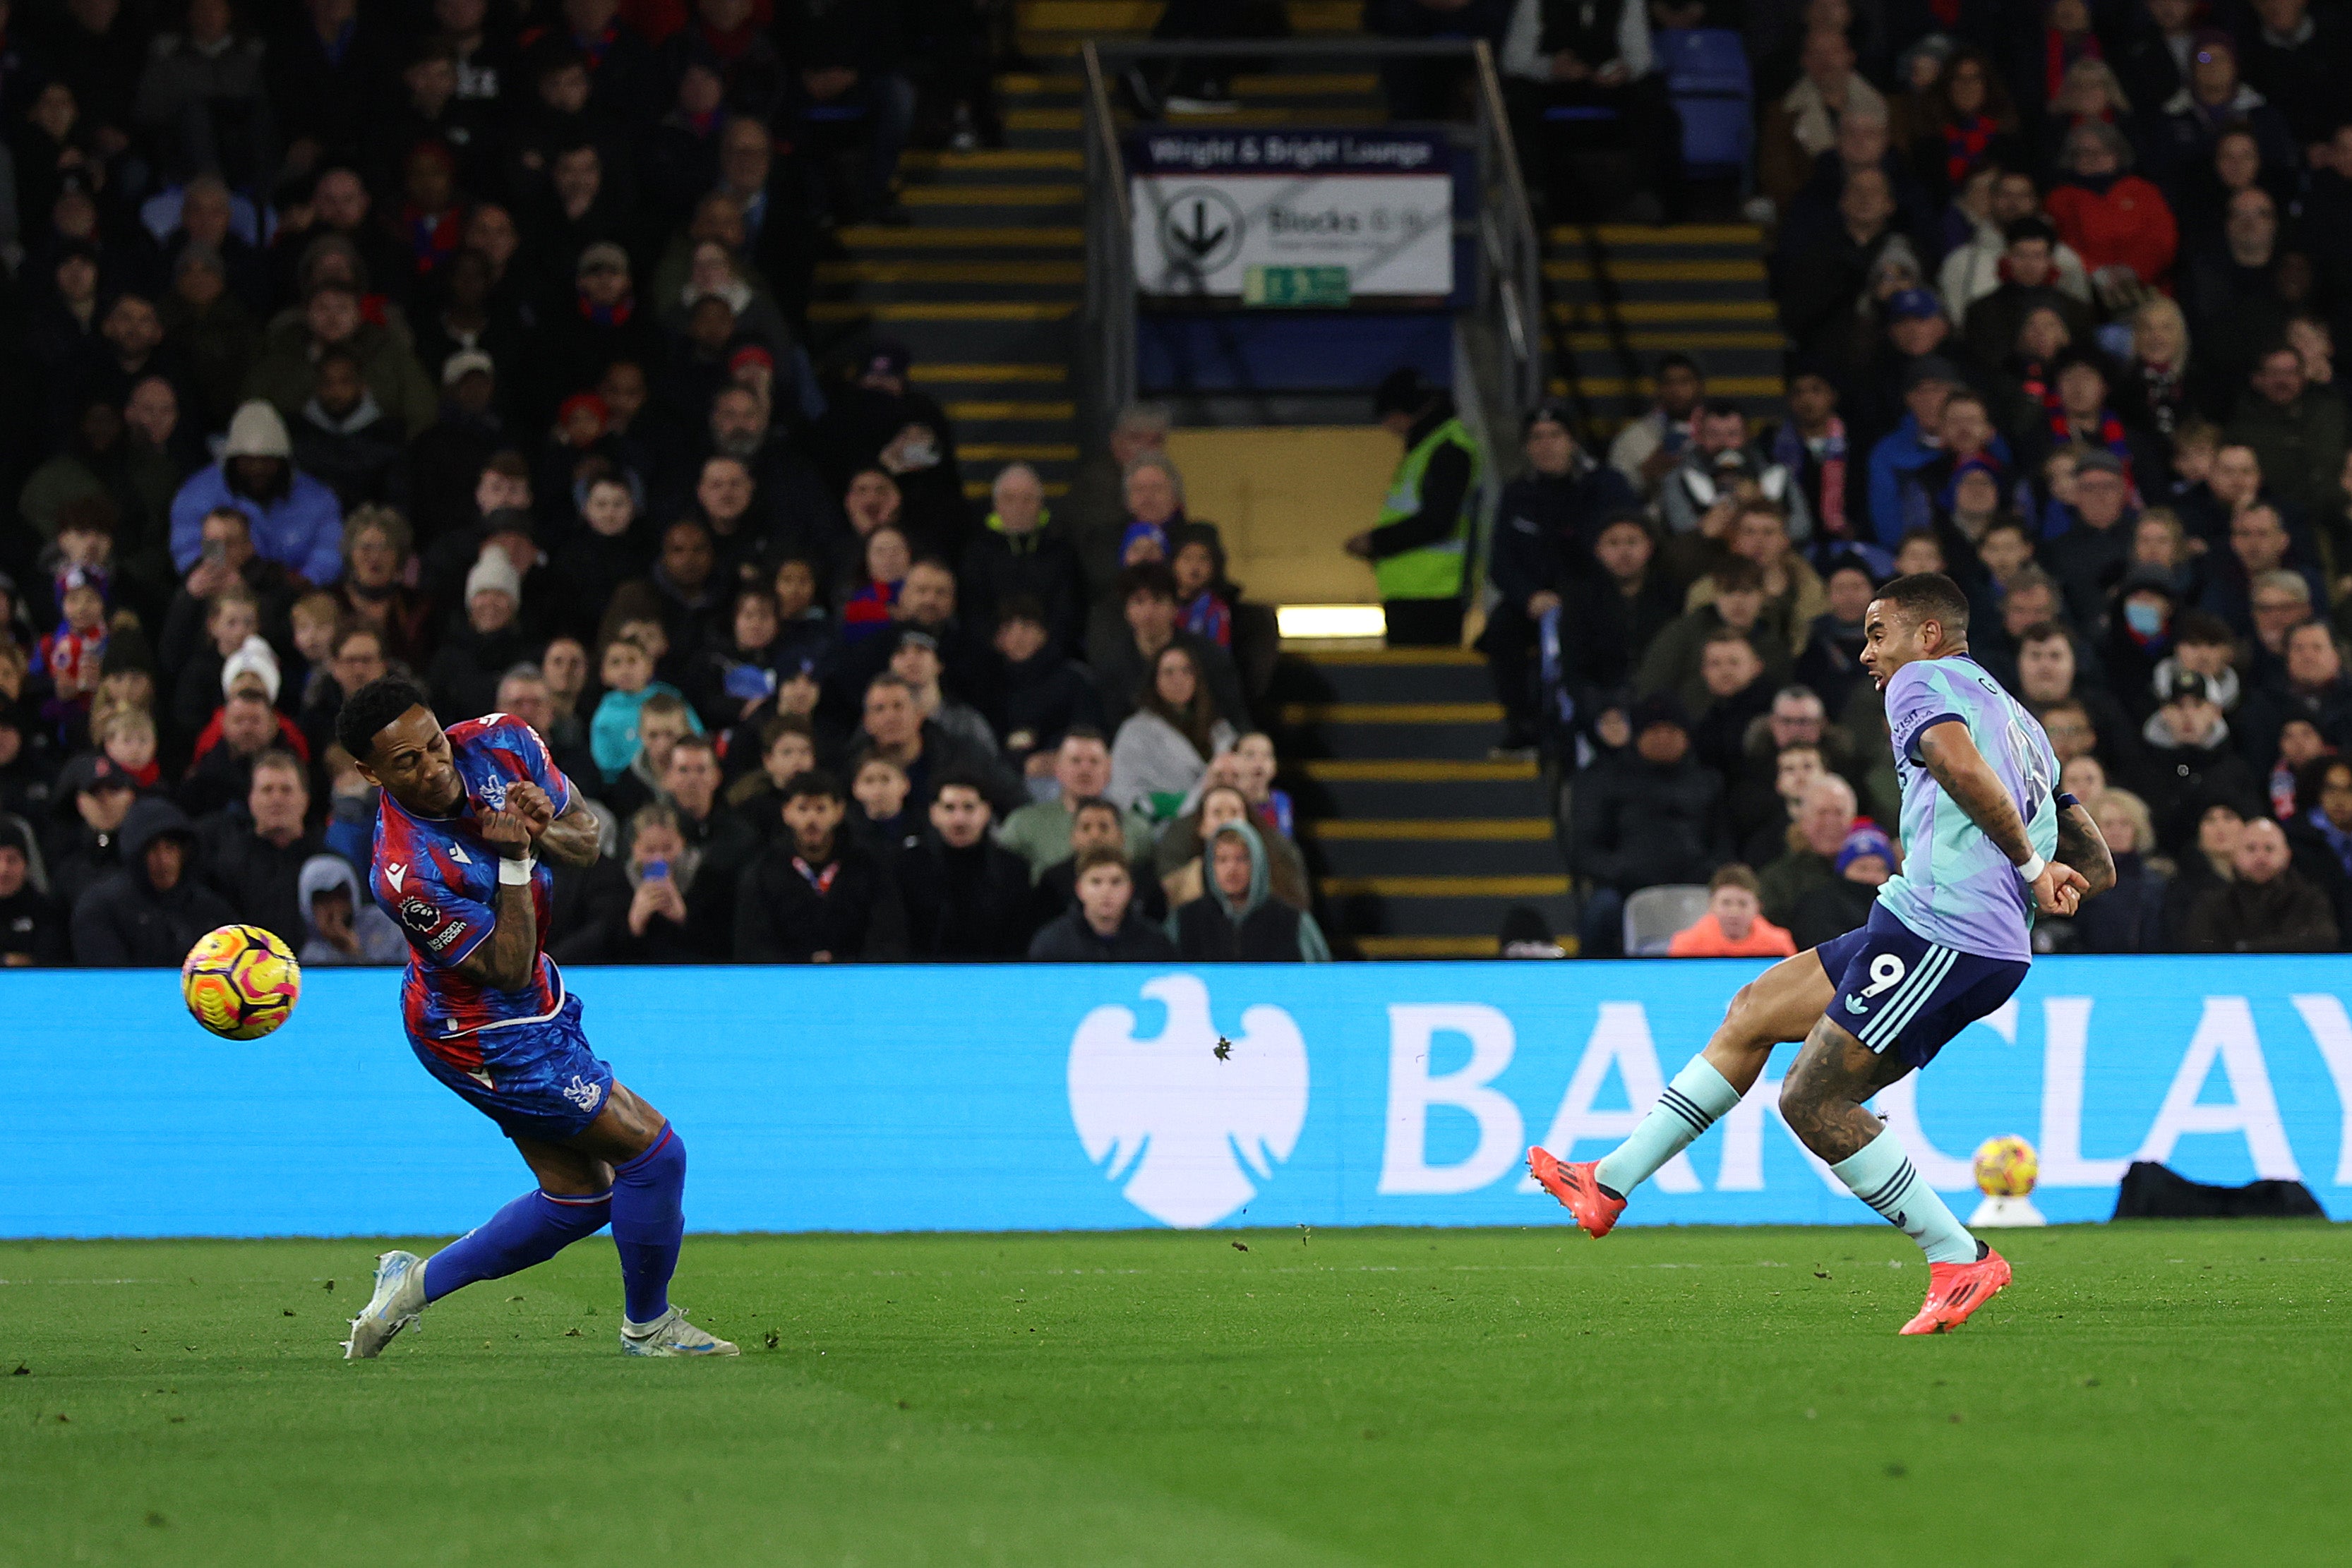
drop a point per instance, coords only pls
(1734, 926)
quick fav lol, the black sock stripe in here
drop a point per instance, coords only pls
(1887, 1190)
(1893, 1201)
(1682, 1109)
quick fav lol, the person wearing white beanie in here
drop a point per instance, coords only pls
(297, 521)
(254, 657)
(474, 656)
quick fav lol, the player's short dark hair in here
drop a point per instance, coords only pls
(1928, 596)
(813, 781)
(375, 705)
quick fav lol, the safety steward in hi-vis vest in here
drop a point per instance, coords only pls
(1420, 548)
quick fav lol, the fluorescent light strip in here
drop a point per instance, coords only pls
(1330, 622)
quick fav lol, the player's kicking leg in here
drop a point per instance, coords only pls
(627, 1166)
(1779, 1006)
(1821, 1101)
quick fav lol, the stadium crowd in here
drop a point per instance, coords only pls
(467, 339)
(2061, 283)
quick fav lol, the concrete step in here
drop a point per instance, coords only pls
(1448, 731)
(1436, 857)
(1419, 786)
(1384, 675)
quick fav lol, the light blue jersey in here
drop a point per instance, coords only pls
(1957, 888)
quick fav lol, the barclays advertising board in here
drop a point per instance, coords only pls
(1054, 1097)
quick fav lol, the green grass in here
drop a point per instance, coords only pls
(2145, 1394)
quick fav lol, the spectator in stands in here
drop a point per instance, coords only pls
(1596, 57)
(1040, 832)
(1042, 695)
(1802, 124)
(1095, 823)
(1102, 923)
(341, 928)
(2188, 757)
(1162, 750)
(1734, 926)
(814, 896)
(1124, 658)
(1655, 442)
(2030, 279)
(2230, 288)
(663, 721)
(966, 897)
(253, 851)
(1677, 658)
(2266, 906)
(2311, 685)
(93, 797)
(1097, 503)
(662, 902)
(1824, 817)
(1707, 472)
(2129, 916)
(149, 911)
(1913, 445)
(294, 520)
(916, 660)
(1423, 539)
(1843, 904)
(1610, 621)
(895, 729)
(1646, 816)
(1183, 844)
(1021, 553)
(2090, 557)
(1822, 271)
(1241, 920)
(1545, 529)
(2048, 675)
(2214, 100)
(1977, 268)
(491, 641)
(2118, 223)
(1809, 445)
(2259, 548)
(2298, 432)
(32, 926)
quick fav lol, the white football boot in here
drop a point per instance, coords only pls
(671, 1335)
(398, 1300)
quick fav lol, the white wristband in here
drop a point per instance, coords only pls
(517, 872)
(2031, 869)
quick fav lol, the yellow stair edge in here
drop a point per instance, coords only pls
(1416, 770)
(1743, 271)
(1398, 656)
(1594, 342)
(938, 310)
(1393, 712)
(1444, 886)
(947, 373)
(1468, 830)
(982, 413)
(880, 270)
(993, 158)
(1043, 120)
(992, 195)
(1651, 312)
(1441, 946)
(891, 236)
(1018, 452)
(1670, 234)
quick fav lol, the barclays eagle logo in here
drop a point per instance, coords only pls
(1178, 1118)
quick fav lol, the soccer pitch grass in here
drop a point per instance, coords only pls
(2144, 1395)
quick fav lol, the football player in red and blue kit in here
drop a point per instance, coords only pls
(466, 815)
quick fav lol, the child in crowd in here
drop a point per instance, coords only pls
(1734, 926)
(317, 618)
(1201, 593)
(881, 822)
(626, 669)
(71, 654)
(127, 737)
(873, 604)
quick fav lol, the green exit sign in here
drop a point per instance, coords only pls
(1295, 286)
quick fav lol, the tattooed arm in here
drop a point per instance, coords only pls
(1951, 755)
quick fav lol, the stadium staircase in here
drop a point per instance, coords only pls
(983, 284)
(1620, 295)
(1418, 842)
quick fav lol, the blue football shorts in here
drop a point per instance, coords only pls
(537, 1080)
(1898, 991)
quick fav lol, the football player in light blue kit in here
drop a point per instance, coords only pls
(1988, 841)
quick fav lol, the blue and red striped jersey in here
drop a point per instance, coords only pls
(440, 882)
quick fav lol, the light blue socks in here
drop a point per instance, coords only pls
(1883, 1177)
(1690, 1105)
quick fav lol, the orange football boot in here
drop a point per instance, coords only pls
(1578, 1191)
(1956, 1289)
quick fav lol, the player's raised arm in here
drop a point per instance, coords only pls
(508, 959)
(1951, 755)
(572, 839)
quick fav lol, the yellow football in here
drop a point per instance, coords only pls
(2007, 1167)
(240, 982)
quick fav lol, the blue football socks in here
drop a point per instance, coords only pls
(531, 1230)
(648, 1222)
(1883, 1177)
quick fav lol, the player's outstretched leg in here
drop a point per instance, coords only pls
(1778, 1006)
(531, 1230)
(648, 1224)
(1821, 1102)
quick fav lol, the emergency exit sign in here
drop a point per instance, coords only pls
(1295, 286)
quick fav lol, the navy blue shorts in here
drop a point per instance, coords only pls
(1897, 990)
(537, 1080)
